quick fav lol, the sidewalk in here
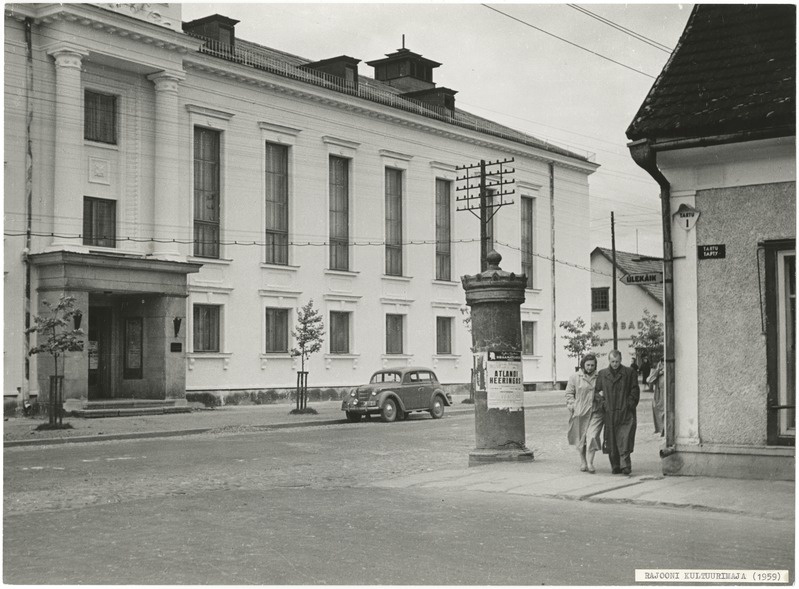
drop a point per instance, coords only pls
(552, 474)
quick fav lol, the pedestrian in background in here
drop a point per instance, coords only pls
(634, 365)
(585, 413)
(618, 385)
(657, 381)
(646, 368)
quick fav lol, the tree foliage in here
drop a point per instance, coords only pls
(579, 341)
(55, 335)
(309, 332)
(649, 338)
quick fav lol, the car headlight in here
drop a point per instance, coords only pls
(374, 393)
(354, 393)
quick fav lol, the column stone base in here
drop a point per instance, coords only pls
(480, 456)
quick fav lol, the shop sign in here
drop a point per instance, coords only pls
(643, 278)
(503, 380)
(711, 252)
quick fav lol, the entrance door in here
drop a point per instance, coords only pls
(99, 353)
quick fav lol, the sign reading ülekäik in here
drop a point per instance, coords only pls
(503, 380)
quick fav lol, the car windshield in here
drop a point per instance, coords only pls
(385, 377)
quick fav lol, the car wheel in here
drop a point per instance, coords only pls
(353, 416)
(437, 411)
(388, 412)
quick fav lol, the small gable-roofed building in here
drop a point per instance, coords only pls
(717, 132)
(631, 300)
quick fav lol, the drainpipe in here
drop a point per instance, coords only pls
(643, 155)
(552, 252)
(25, 389)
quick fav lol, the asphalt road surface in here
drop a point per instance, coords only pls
(297, 506)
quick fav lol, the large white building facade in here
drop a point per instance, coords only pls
(191, 190)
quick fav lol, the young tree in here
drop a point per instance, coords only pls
(309, 335)
(649, 338)
(56, 335)
(578, 341)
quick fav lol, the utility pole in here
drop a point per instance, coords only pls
(613, 249)
(490, 177)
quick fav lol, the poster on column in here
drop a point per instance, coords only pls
(504, 383)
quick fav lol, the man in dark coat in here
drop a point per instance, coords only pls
(618, 385)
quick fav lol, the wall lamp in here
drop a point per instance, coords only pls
(77, 317)
(176, 324)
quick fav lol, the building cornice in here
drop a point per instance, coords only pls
(361, 106)
(108, 21)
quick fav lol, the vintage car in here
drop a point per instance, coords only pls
(396, 392)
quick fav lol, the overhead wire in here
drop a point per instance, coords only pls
(623, 29)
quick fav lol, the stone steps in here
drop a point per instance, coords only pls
(129, 411)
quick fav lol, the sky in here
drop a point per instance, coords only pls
(516, 64)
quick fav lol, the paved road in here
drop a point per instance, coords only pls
(301, 506)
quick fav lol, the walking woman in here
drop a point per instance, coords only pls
(586, 413)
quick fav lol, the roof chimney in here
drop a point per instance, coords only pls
(215, 28)
(405, 70)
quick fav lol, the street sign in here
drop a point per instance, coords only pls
(712, 252)
(643, 278)
(686, 217)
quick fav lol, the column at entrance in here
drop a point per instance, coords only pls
(68, 187)
(167, 223)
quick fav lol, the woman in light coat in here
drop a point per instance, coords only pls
(585, 413)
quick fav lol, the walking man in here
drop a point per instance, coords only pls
(618, 385)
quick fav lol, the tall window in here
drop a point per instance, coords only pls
(277, 204)
(339, 213)
(443, 230)
(277, 330)
(393, 222)
(99, 117)
(443, 335)
(394, 330)
(528, 220)
(600, 299)
(339, 332)
(206, 328)
(206, 192)
(99, 222)
(528, 338)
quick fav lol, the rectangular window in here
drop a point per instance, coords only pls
(99, 222)
(339, 332)
(528, 338)
(528, 232)
(339, 213)
(600, 299)
(443, 230)
(132, 368)
(277, 330)
(393, 222)
(443, 335)
(394, 331)
(206, 328)
(99, 117)
(277, 204)
(206, 192)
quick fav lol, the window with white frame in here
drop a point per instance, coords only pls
(100, 117)
(339, 213)
(276, 330)
(340, 332)
(443, 230)
(527, 242)
(443, 335)
(394, 333)
(207, 324)
(99, 222)
(207, 164)
(393, 206)
(528, 338)
(277, 204)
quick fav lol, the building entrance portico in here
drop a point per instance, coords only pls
(134, 310)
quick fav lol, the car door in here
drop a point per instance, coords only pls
(426, 386)
(412, 391)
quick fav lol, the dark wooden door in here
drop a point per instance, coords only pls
(99, 353)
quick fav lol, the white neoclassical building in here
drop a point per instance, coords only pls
(192, 190)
